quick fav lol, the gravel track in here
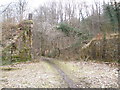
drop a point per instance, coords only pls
(45, 75)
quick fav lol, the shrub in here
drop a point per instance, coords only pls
(67, 29)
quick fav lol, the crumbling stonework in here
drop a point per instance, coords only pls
(18, 48)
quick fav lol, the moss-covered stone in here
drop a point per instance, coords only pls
(21, 49)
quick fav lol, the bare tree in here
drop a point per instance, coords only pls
(21, 6)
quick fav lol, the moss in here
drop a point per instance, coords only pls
(28, 21)
(24, 53)
(8, 68)
(23, 56)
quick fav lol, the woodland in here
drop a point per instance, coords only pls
(61, 32)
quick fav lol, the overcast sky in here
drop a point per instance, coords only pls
(35, 3)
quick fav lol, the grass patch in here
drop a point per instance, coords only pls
(8, 68)
(67, 67)
(15, 59)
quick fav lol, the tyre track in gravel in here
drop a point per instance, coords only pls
(65, 77)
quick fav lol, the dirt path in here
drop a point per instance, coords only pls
(59, 74)
(68, 81)
(86, 74)
(90, 74)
